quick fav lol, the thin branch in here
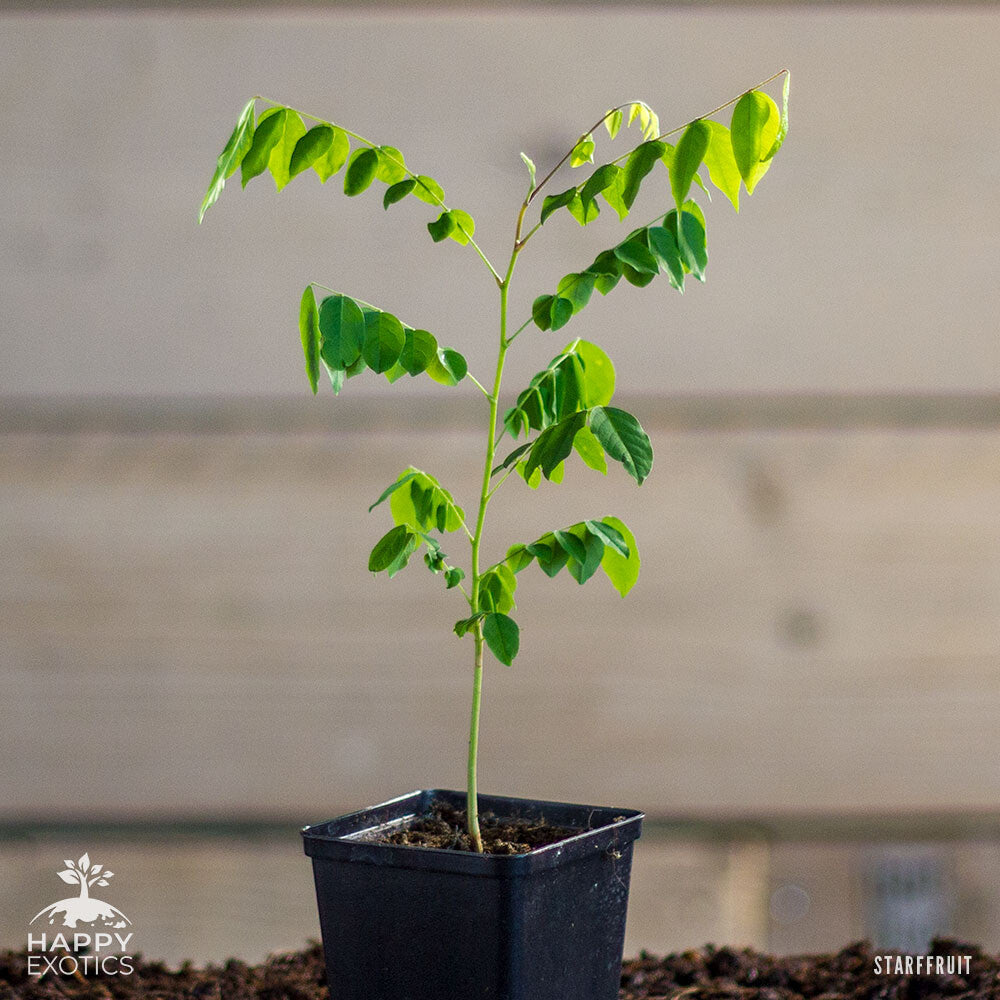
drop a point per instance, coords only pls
(472, 378)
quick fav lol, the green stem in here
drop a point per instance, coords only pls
(472, 788)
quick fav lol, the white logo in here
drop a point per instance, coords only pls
(103, 934)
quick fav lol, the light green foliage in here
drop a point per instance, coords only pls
(754, 129)
(354, 336)
(309, 331)
(235, 149)
(581, 549)
(566, 408)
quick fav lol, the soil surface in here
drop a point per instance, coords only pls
(704, 974)
(445, 828)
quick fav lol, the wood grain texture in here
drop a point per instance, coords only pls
(188, 627)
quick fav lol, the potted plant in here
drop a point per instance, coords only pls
(532, 903)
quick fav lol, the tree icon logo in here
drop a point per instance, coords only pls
(84, 909)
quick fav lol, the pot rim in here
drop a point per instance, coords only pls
(601, 829)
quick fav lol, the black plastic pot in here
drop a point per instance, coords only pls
(415, 923)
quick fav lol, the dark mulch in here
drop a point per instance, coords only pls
(704, 974)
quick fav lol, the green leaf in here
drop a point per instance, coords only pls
(391, 165)
(502, 636)
(279, 160)
(613, 122)
(237, 146)
(603, 177)
(465, 226)
(453, 576)
(442, 227)
(647, 119)
(424, 504)
(397, 192)
(553, 445)
(583, 212)
(314, 145)
(610, 535)
(541, 311)
(389, 490)
(640, 161)
(614, 193)
(419, 350)
(428, 190)
(663, 243)
(397, 543)
(466, 625)
(583, 151)
(335, 157)
(608, 269)
(589, 449)
(721, 163)
(598, 374)
(576, 288)
(690, 241)
(753, 130)
(621, 570)
(269, 126)
(342, 329)
(530, 165)
(581, 376)
(518, 558)
(551, 557)
(512, 457)
(560, 312)
(688, 156)
(496, 589)
(337, 376)
(361, 170)
(636, 253)
(571, 544)
(623, 439)
(309, 331)
(583, 569)
(779, 139)
(384, 339)
(448, 368)
(552, 202)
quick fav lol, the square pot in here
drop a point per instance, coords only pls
(418, 923)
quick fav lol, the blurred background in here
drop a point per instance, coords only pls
(802, 690)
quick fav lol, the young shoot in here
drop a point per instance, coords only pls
(566, 409)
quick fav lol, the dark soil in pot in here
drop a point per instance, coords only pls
(445, 828)
(703, 974)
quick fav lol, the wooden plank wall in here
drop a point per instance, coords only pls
(188, 626)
